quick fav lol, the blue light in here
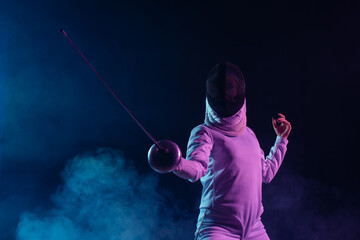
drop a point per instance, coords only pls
(3, 70)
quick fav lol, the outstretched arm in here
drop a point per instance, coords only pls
(197, 158)
(271, 164)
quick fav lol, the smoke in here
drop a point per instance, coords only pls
(298, 208)
(104, 197)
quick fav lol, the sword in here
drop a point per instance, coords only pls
(164, 155)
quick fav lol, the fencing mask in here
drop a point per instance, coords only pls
(225, 89)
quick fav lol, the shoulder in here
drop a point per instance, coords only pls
(251, 132)
(201, 128)
(201, 131)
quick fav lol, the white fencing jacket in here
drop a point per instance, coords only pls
(226, 156)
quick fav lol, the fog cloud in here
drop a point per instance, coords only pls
(104, 197)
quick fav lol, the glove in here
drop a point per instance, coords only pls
(281, 126)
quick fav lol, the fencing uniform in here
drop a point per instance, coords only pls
(232, 169)
(226, 156)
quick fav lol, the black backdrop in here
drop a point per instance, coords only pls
(300, 59)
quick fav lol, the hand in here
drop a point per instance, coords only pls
(281, 126)
(164, 157)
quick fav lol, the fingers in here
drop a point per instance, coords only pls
(281, 126)
(281, 115)
(276, 122)
(273, 122)
(289, 126)
(282, 120)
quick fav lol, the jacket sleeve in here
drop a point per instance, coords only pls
(196, 163)
(271, 164)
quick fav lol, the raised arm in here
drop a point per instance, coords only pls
(196, 163)
(271, 164)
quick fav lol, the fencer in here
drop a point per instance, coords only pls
(225, 155)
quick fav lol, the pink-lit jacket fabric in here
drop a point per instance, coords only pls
(230, 165)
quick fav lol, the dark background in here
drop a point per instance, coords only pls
(299, 58)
